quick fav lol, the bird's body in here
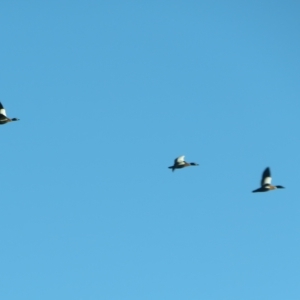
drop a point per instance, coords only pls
(180, 163)
(266, 183)
(3, 118)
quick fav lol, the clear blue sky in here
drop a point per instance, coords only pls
(109, 93)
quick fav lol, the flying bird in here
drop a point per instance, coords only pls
(266, 183)
(180, 163)
(3, 118)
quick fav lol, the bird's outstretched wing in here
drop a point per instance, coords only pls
(266, 177)
(2, 110)
(179, 160)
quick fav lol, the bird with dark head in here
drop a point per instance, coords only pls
(180, 163)
(3, 118)
(265, 183)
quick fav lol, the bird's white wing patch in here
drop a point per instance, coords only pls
(2, 111)
(180, 159)
(267, 180)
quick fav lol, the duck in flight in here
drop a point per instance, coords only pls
(180, 163)
(3, 118)
(266, 183)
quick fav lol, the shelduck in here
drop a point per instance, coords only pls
(3, 118)
(266, 183)
(180, 163)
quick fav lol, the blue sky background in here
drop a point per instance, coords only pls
(109, 93)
